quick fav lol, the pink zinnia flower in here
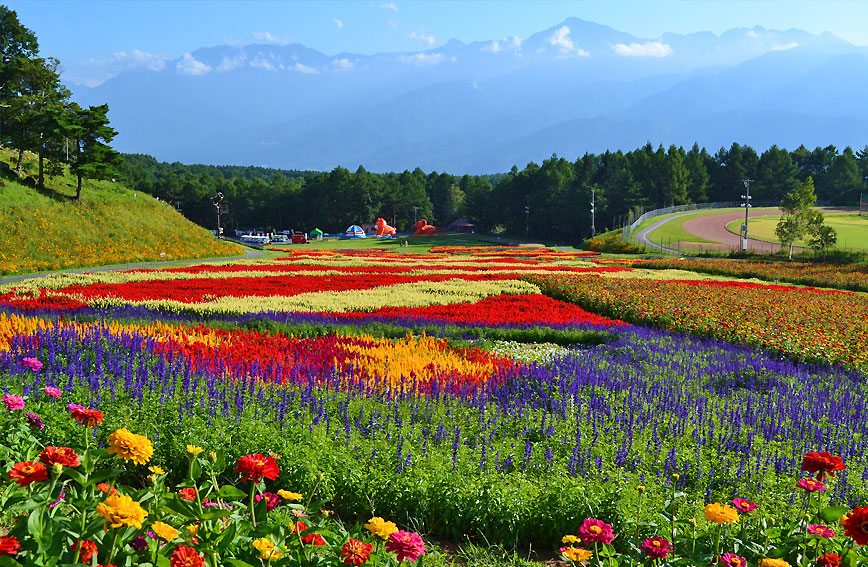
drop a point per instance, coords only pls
(34, 421)
(731, 560)
(406, 545)
(744, 506)
(271, 500)
(821, 530)
(51, 391)
(31, 363)
(656, 547)
(596, 531)
(13, 402)
(811, 485)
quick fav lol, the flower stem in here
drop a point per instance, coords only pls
(252, 511)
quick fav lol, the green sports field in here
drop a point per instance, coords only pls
(852, 229)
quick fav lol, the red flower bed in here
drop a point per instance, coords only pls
(203, 289)
(535, 309)
(44, 301)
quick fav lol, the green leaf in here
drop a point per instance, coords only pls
(229, 492)
(6, 561)
(777, 553)
(215, 513)
(74, 475)
(227, 537)
(831, 514)
(238, 563)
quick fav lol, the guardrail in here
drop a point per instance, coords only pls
(631, 225)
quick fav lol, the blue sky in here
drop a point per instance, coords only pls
(98, 38)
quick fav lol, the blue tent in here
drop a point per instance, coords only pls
(355, 231)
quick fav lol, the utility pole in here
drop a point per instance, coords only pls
(219, 208)
(746, 204)
(593, 228)
(414, 215)
(527, 216)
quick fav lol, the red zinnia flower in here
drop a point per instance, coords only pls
(596, 531)
(88, 548)
(88, 417)
(356, 552)
(28, 471)
(59, 455)
(822, 463)
(829, 560)
(856, 525)
(185, 556)
(743, 506)
(656, 547)
(271, 500)
(9, 545)
(256, 466)
(406, 545)
(315, 539)
(106, 488)
(187, 494)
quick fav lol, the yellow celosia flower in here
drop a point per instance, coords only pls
(165, 531)
(121, 511)
(576, 554)
(773, 563)
(287, 495)
(380, 527)
(570, 539)
(720, 513)
(194, 450)
(156, 470)
(130, 447)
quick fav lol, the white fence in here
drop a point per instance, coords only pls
(631, 225)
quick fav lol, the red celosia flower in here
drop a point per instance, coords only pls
(356, 552)
(315, 539)
(829, 560)
(187, 494)
(28, 471)
(59, 455)
(88, 548)
(186, 556)
(406, 545)
(9, 545)
(743, 506)
(822, 463)
(656, 547)
(85, 416)
(596, 531)
(856, 525)
(271, 500)
(256, 466)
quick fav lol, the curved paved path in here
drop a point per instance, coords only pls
(249, 254)
(642, 235)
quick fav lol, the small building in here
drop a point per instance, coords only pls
(463, 226)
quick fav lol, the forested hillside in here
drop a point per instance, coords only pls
(556, 193)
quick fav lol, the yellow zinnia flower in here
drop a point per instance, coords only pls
(287, 495)
(130, 447)
(194, 450)
(156, 470)
(773, 563)
(576, 554)
(121, 511)
(266, 548)
(720, 513)
(165, 531)
(570, 539)
(193, 529)
(379, 527)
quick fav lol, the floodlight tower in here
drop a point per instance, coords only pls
(746, 204)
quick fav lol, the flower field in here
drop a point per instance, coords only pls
(328, 407)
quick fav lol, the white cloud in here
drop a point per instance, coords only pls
(271, 38)
(188, 65)
(649, 49)
(138, 58)
(229, 63)
(561, 40)
(493, 47)
(260, 62)
(394, 24)
(344, 64)
(752, 34)
(423, 59)
(429, 39)
(338, 23)
(390, 6)
(784, 47)
(304, 69)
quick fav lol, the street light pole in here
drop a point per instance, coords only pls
(593, 228)
(527, 216)
(746, 206)
(216, 200)
(414, 215)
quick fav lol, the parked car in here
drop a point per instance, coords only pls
(299, 238)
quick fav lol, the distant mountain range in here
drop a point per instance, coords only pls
(482, 107)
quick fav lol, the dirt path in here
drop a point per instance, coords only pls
(713, 227)
(249, 254)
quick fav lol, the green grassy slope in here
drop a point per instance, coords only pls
(47, 229)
